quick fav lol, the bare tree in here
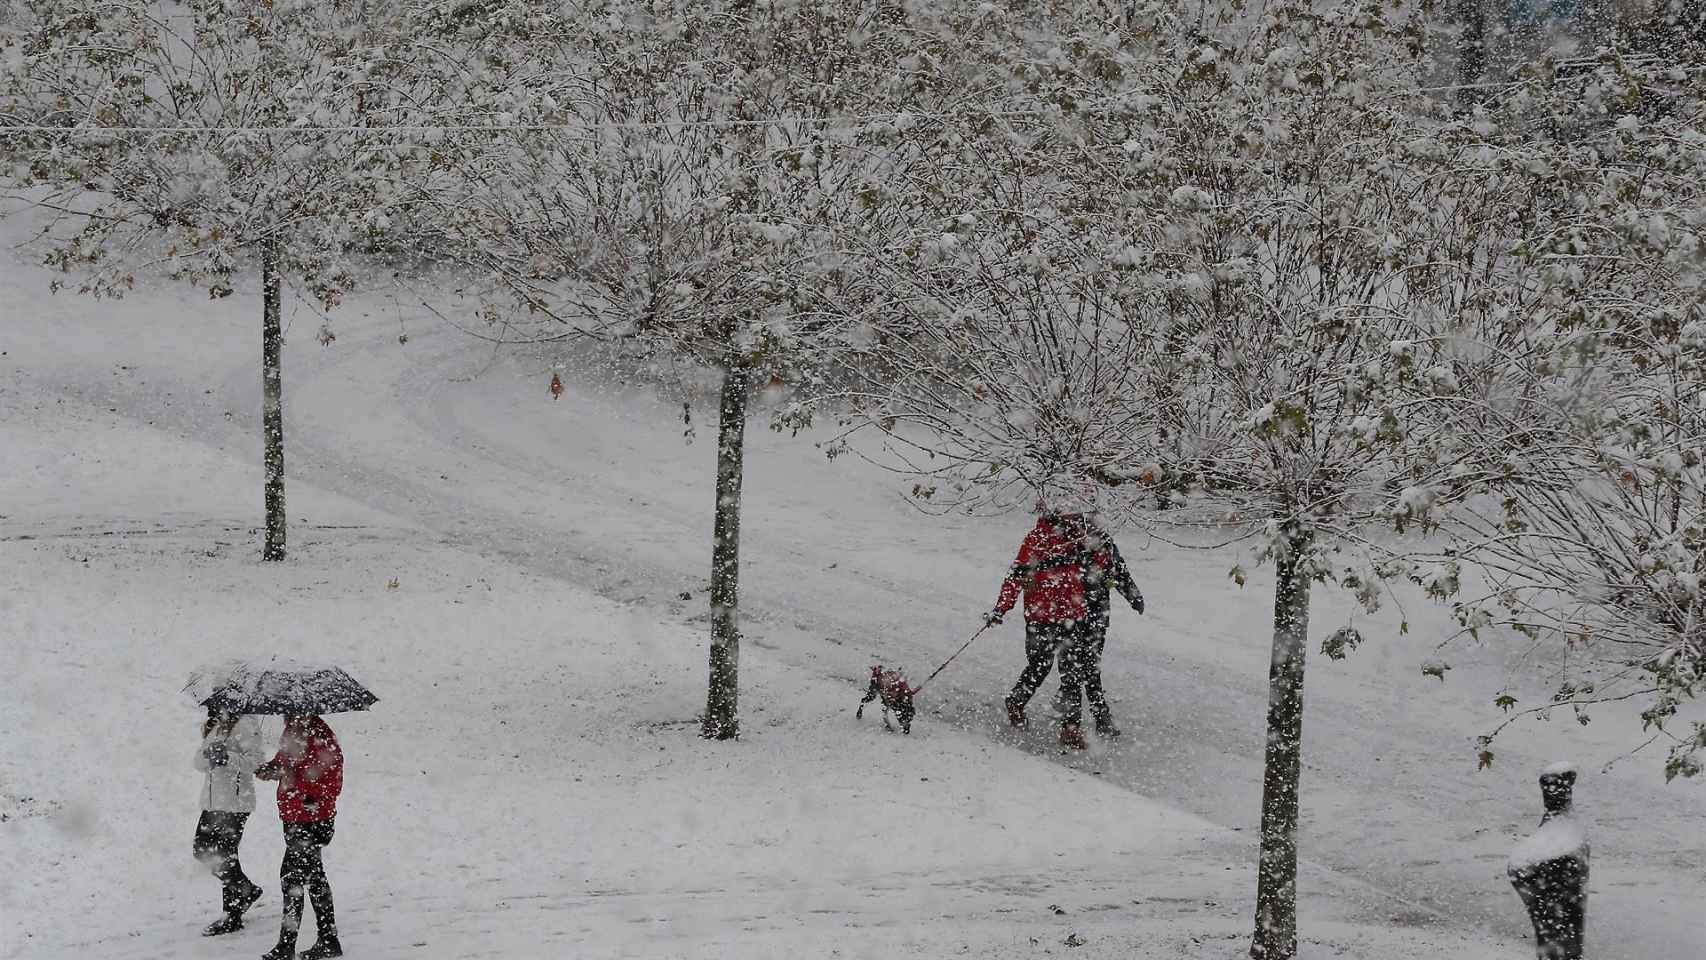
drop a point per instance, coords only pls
(1266, 278)
(202, 140)
(679, 179)
(1592, 538)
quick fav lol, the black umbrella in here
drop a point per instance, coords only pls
(278, 687)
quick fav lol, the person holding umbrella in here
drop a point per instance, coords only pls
(229, 752)
(309, 769)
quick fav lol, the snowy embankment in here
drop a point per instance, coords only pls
(537, 635)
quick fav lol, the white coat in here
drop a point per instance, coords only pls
(230, 787)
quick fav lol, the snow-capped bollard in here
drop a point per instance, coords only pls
(1550, 870)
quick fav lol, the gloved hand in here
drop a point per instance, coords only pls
(992, 618)
(1137, 601)
(216, 753)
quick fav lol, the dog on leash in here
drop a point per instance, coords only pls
(891, 688)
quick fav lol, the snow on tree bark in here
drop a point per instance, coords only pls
(1276, 878)
(272, 401)
(721, 720)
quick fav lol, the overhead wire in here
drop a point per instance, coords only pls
(1104, 109)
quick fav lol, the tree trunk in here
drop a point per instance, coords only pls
(1472, 48)
(272, 400)
(1276, 884)
(720, 721)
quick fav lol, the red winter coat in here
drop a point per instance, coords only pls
(310, 772)
(1049, 569)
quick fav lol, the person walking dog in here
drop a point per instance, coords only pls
(1049, 571)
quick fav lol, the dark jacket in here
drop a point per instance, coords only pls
(1104, 573)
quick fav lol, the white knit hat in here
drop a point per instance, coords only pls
(1066, 494)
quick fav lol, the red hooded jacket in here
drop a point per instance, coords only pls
(310, 772)
(1050, 570)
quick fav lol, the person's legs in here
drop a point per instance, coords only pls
(1042, 640)
(1072, 681)
(303, 875)
(217, 837)
(1099, 710)
(300, 855)
(240, 892)
(320, 895)
(1092, 672)
(1073, 651)
(205, 846)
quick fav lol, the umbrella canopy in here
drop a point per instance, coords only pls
(278, 687)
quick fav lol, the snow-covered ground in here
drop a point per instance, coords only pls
(530, 784)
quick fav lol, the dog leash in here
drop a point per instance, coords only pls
(945, 663)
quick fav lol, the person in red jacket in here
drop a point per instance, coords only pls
(1050, 571)
(309, 769)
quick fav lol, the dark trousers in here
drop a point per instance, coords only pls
(303, 871)
(1044, 642)
(217, 836)
(1081, 673)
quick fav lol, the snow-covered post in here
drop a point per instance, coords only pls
(1550, 870)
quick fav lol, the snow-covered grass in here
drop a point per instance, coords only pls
(537, 635)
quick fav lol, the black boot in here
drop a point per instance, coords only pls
(1105, 726)
(284, 951)
(325, 922)
(1015, 713)
(224, 925)
(241, 903)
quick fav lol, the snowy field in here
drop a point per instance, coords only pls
(531, 784)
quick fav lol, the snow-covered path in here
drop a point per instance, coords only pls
(599, 490)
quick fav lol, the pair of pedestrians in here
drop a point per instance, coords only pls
(308, 767)
(1067, 569)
